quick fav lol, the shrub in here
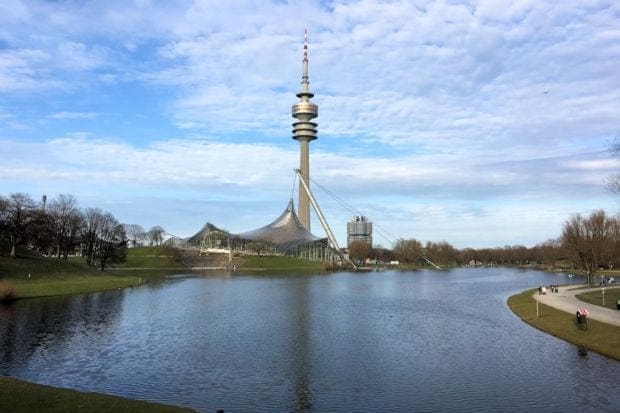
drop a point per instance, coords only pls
(8, 292)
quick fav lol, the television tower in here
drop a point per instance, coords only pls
(304, 131)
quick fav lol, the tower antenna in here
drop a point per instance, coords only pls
(304, 131)
(306, 44)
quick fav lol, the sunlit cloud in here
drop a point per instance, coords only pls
(480, 120)
(73, 115)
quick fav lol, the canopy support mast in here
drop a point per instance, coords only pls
(328, 231)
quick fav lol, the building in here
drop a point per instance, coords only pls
(289, 234)
(304, 131)
(284, 236)
(359, 229)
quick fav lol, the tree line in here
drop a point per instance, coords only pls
(586, 243)
(61, 228)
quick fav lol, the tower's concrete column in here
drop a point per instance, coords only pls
(304, 130)
(304, 167)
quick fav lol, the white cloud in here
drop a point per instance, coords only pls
(458, 115)
(73, 115)
(429, 198)
(18, 70)
(594, 165)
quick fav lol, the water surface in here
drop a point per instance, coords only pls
(380, 341)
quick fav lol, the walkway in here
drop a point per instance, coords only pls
(565, 300)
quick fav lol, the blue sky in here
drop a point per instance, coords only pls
(480, 123)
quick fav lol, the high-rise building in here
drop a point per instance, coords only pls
(359, 229)
(304, 131)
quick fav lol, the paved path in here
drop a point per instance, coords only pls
(565, 300)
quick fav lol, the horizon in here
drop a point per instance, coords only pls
(479, 123)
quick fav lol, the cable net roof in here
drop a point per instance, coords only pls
(204, 233)
(286, 229)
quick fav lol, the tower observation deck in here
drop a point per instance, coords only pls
(304, 131)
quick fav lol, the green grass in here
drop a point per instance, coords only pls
(596, 297)
(152, 257)
(19, 396)
(600, 337)
(51, 276)
(279, 263)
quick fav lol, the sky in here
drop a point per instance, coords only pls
(481, 123)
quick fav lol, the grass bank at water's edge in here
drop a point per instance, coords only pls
(32, 275)
(599, 337)
(36, 276)
(20, 396)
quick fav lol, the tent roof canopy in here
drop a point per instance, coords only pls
(286, 229)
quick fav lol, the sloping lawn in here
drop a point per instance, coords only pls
(20, 396)
(601, 338)
(32, 275)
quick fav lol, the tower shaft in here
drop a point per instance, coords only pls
(304, 130)
(304, 168)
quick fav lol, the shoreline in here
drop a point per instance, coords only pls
(567, 299)
(25, 396)
(600, 337)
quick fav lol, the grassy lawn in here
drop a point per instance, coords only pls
(278, 263)
(19, 396)
(51, 276)
(601, 338)
(152, 257)
(596, 297)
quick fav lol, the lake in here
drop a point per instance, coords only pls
(378, 341)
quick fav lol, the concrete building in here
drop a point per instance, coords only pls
(304, 131)
(359, 229)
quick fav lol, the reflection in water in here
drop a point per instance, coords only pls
(7, 332)
(301, 327)
(392, 341)
(31, 328)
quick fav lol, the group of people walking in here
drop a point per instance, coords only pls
(543, 290)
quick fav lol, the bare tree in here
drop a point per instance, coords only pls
(111, 244)
(440, 252)
(590, 241)
(407, 250)
(358, 250)
(67, 221)
(135, 234)
(155, 236)
(547, 253)
(41, 231)
(18, 213)
(4, 225)
(93, 218)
